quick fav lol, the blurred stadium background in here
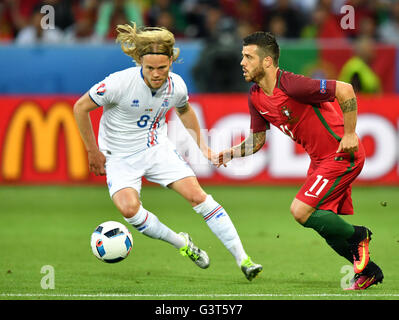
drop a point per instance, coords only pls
(44, 71)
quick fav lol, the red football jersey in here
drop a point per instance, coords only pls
(301, 108)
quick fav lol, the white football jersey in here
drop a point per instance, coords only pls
(133, 116)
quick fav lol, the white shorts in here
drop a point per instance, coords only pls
(159, 164)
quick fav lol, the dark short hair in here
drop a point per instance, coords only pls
(267, 44)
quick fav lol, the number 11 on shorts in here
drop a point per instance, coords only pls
(316, 183)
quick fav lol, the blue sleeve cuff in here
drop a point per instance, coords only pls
(94, 100)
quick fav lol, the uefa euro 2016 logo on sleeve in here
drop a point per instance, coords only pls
(101, 89)
(323, 86)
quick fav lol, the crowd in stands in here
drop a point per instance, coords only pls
(93, 21)
(220, 23)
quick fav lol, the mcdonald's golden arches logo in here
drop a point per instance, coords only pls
(45, 130)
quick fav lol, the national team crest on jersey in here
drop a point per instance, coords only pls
(101, 89)
(288, 113)
(165, 103)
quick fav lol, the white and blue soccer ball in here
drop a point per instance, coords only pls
(111, 242)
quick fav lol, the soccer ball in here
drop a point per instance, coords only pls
(111, 242)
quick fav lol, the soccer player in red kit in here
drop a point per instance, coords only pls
(301, 108)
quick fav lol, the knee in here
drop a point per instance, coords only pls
(197, 198)
(129, 209)
(295, 213)
(300, 215)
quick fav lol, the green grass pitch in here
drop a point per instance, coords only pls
(51, 225)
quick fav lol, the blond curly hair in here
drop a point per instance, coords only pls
(137, 42)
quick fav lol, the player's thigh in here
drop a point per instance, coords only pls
(190, 189)
(124, 183)
(169, 169)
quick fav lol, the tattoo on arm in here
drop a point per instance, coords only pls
(250, 145)
(349, 105)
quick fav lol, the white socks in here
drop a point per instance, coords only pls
(214, 215)
(221, 225)
(148, 224)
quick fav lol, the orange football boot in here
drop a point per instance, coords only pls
(372, 275)
(360, 250)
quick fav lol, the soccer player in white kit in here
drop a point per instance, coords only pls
(133, 143)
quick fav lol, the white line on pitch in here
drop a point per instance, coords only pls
(110, 295)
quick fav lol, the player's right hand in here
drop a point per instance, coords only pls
(349, 143)
(96, 162)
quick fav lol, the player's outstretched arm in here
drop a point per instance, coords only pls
(190, 121)
(347, 100)
(81, 111)
(252, 144)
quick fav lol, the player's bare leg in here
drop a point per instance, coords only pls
(128, 202)
(301, 211)
(190, 189)
(218, 221)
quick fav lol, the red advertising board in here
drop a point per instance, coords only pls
(40, 142)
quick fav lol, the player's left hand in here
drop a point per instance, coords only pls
(349, 143)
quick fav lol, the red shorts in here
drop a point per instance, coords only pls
(328, 183)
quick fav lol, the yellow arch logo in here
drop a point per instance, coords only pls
(45, 132)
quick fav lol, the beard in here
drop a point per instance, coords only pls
(256, 75)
